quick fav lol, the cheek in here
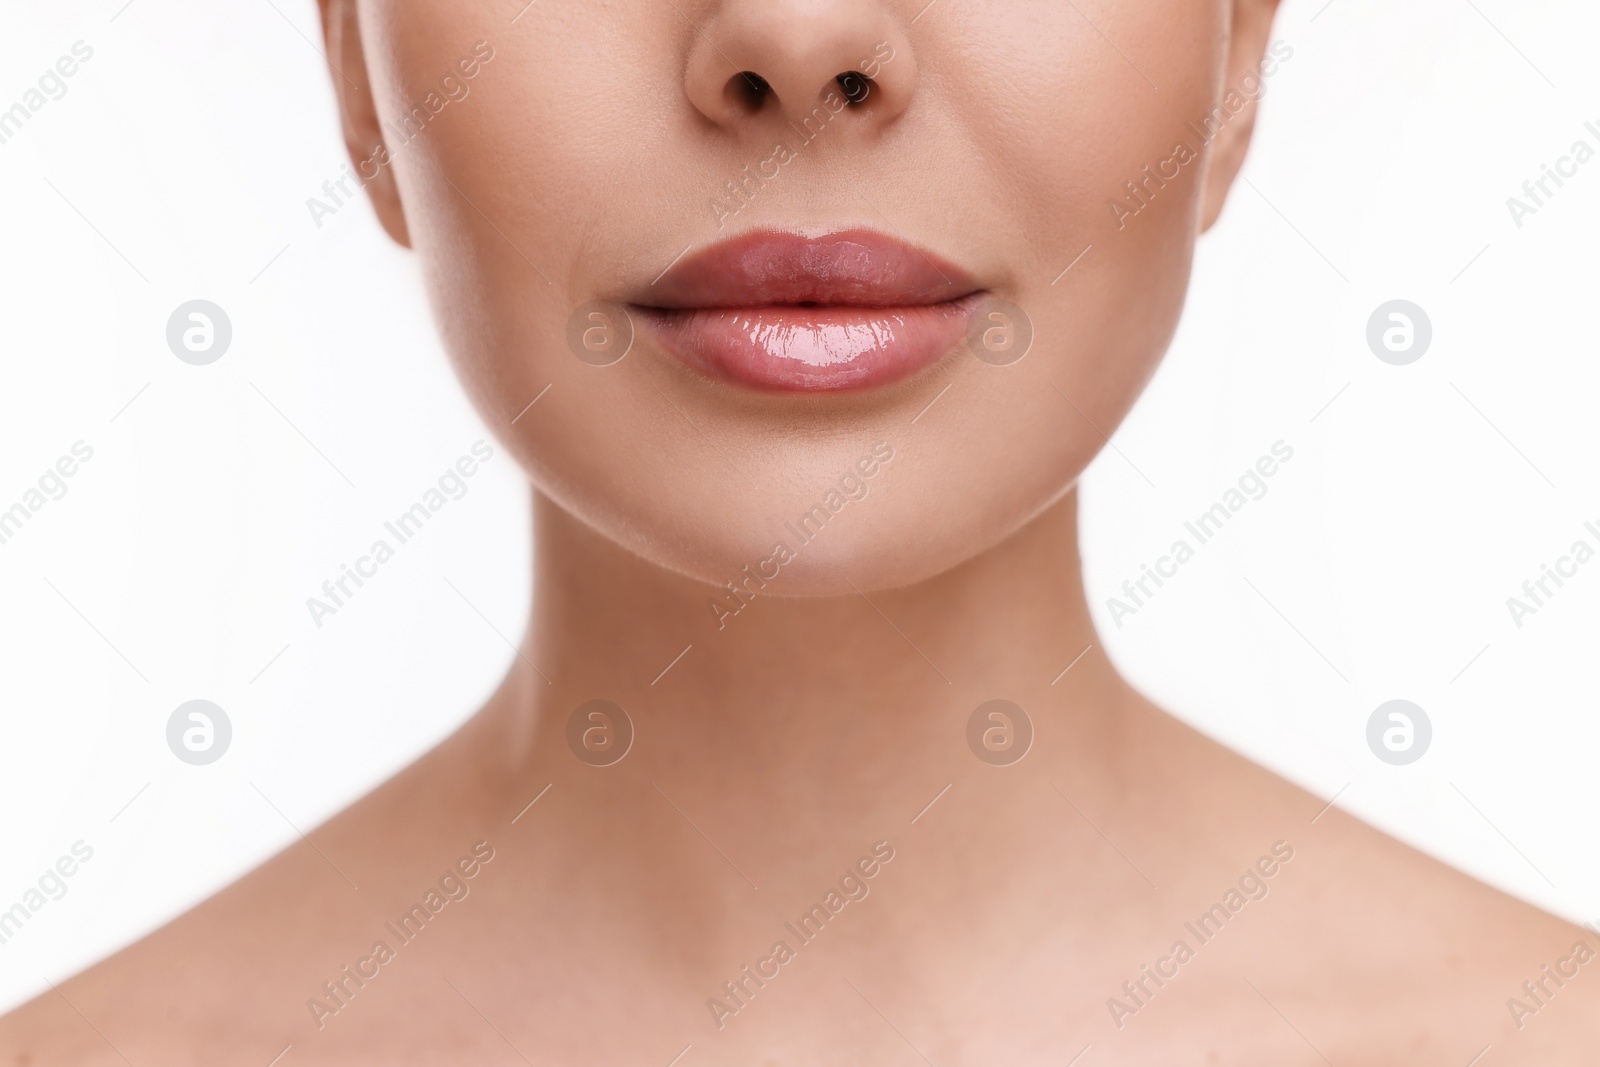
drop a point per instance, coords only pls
(1062, 130)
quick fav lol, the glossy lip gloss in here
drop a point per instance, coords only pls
(786, 312)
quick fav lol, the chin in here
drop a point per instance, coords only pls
(905, 529)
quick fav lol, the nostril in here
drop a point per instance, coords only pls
(855, 86)
(749, 89)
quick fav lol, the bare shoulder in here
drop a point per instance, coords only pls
(168, 994)
(1419, 955)
(1381, 954)
(1360, 947)
(230, 981)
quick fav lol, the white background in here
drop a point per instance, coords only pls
(177, 565)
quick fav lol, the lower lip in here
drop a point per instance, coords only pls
(803, 348)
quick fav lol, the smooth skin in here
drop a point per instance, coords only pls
(827, 714)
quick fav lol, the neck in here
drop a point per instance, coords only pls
(790, 696)
(798, 735)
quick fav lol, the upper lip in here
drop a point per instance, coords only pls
(845, 268)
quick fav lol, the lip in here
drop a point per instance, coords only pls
(788, 312)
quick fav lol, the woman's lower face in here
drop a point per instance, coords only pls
(734, 247)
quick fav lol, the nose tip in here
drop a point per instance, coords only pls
(814, 61)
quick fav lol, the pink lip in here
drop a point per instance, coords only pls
(790, 313)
